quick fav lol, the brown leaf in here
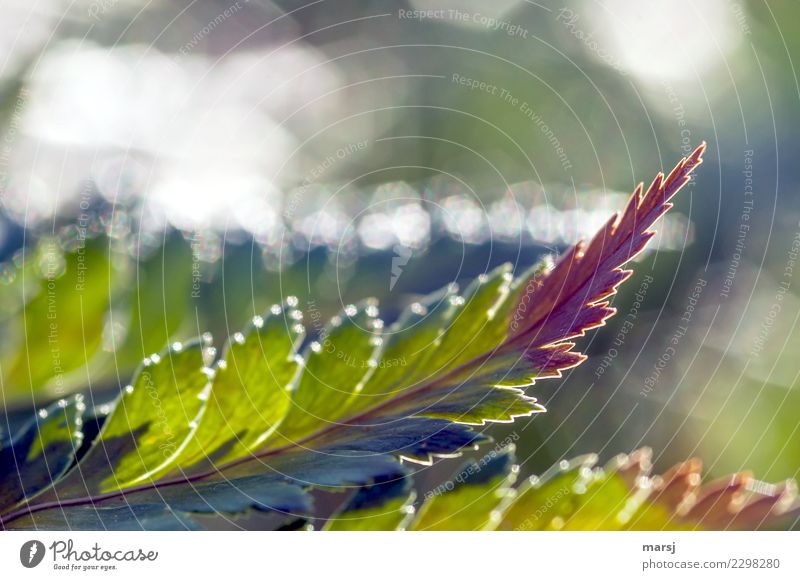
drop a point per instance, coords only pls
(571, 298)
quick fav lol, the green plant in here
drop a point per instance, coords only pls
(572, 495)
(265, 424)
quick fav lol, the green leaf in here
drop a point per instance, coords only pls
(383, 506)
(577, 495)
(341, 412)
(42, 451)
(542, 502)
(335, 369)
(61, 326)
(158, 302)
(150, 425)
(251, 390)
(622, 495)
(468, 500)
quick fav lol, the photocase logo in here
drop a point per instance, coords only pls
(402, 255)
(31, 553)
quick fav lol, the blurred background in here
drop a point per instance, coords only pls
(168, 168)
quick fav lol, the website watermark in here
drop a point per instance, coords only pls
(571, 21)
(628, 323)
(671, 350)
(743, 228)
(473, 18)
(210, 26)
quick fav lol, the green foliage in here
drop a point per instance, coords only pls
(61, 326)
(378, 507)
(161, 284)
(266, 416)
(469, 499)
(42, 451)
(78, 312)
(277, 416)
(578, 495)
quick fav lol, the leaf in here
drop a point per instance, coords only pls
(540, 500)
(61, 327)
(341, 412)
(42, 451)
(737, 502)
(249, 398)
(572, 298)
(119, 518)
(576, 495)
(158, 302)
(579, 496)
(469, 498)
(153, 418)
(382, 506)
(18, 284)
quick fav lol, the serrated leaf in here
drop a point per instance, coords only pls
(577, 495)
(343, 411)
(542, 502)
(151, 422)
(382, 506)
(250, 396)
(162, 284)
(469, 498)
(42, 451)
